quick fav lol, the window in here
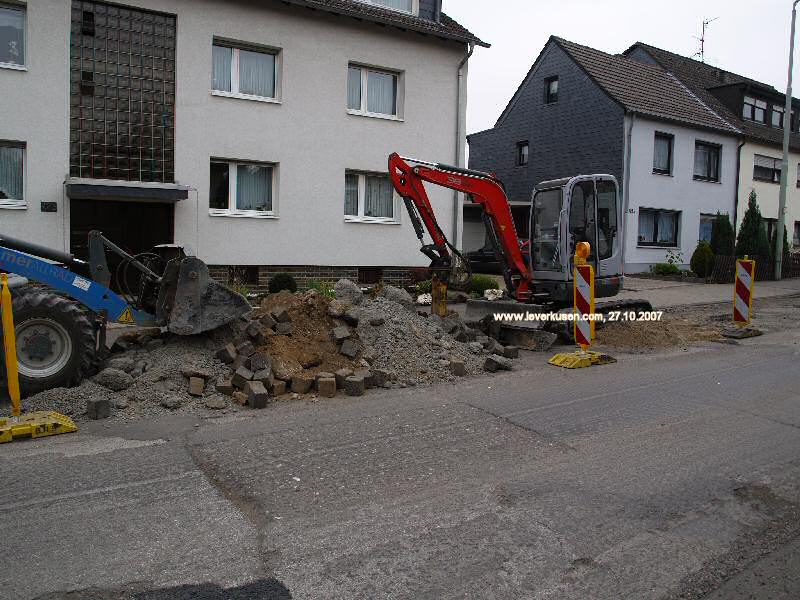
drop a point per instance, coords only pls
(523, 150)
(662, 154)
(777, 116)
(658, 227)
(755, 110)
(706, 161)
(767, 169)
(371, 92)
(12, 35)
(401, 5)
(770, 226)
(551, 90)
(241, 189)
(798, 175)
(244, 73)
(796, 237)
(369, 197)
(11, 175)
(706, 225)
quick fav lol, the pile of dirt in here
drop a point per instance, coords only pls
(300, 337)
(670, 332)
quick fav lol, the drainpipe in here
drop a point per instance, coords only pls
(461, 126)
(736, 192)
(626, 192)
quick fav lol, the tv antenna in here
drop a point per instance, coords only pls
(702, 39)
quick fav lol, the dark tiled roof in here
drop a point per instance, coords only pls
(447, 28)
(645, 89)
(701, 77)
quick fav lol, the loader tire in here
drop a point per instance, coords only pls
(55, 341)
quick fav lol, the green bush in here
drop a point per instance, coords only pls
(723, 238)
(282, 281)
(665, 269)
(752, 240)
(703, 259)
(323, 287)
(424, 287)
(480, 283)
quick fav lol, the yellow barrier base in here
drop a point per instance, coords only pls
(581, 359)
(35, 425)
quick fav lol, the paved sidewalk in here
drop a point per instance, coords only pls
(674, 293)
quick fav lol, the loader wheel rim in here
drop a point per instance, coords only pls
(43, 348)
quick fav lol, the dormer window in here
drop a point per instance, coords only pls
(755, 110)
(406, 6)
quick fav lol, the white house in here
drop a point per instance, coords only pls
(255, 132)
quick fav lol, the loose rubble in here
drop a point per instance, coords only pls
(292, 346)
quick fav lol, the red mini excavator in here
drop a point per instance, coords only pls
(563, 212)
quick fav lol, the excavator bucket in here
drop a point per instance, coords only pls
(190, 302)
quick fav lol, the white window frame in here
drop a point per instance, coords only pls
(236, 48)
(17, 203)
(24, 9)
(399, 87)
(362, 194)
(233, 181)
(414, 7)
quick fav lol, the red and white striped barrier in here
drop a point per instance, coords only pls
(743, 292)
(584, 305)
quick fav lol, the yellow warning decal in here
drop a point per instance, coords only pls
(126, 317)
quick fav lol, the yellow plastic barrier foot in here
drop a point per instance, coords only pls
(35, 425)
(581, 359)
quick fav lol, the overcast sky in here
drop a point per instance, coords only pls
(749, 37)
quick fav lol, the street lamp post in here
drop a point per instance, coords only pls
(787, 129)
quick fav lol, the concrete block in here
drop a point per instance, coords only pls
(257, 395)
(254, 332)
(268, 322)
(511, 352)
(264, 376)
(341, 375)
(98, 408)
(340, 334)
(349, 349)
(241, 377)
(326, 387)
(279, 388)
(366, 375)
(225, 387)
(246, 348)
(240, 398)
(227, 354)
(239, 361)
(380, 377)
(302, 384)
(259, 362)
(497, 363)
(197, 386)
(457, 367)
(281, 315)
(354, 386)
(323, 375)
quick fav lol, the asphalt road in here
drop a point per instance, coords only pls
(669, 476)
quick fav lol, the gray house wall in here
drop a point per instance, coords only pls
(581, 133)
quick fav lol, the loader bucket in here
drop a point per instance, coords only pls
(190, 302)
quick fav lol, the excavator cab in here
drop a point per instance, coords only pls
(565, 212)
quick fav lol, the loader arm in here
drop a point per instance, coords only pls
(482, 189)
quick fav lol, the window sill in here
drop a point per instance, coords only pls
(13, 66)
(241, 214)
(767, 181)
(703, 180)
(663, 174)
(13, 205)
(358, 113)
(245, 97)
(657, 247)
(371, 220)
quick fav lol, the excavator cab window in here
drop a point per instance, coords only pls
(545, 228)
(582, 224)
(606, 218)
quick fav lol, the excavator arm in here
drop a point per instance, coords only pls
(408, 177)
